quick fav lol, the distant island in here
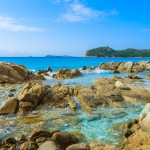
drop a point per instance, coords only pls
(109, 52)
(57, 56)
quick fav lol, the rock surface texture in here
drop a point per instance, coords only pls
(66, 74)
(12, 73)
(137, 132)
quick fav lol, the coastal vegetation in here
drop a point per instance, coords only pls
(109, 52)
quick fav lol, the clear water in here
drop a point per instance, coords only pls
(103, 124)
(37, 63)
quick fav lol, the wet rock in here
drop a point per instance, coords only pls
(12, 73)
(116, 71)
(62, 138)
(65, 74)
(49, 69)
(29, 145)
(10, 107)
(10, 141)
(84, 68)
(10, 95)
(39, 133)
(12, 90)
(133, 76)
(48, 145)
(78, 147)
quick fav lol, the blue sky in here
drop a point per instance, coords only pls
(70, 27)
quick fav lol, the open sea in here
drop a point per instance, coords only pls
(40, 63)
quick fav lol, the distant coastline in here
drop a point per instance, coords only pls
(111, 53)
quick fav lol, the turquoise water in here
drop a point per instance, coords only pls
(103, 124)
(37, 63)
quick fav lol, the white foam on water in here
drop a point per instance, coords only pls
(32, 70)
(96, 71)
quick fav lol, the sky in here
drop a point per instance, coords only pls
(70, 27)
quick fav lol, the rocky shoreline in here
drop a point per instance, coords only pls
(105, 92)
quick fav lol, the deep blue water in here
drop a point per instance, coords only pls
(55, 63)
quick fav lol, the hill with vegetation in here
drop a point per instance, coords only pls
(109, 52)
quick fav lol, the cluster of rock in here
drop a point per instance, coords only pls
(45, 72)
(116, 91)
(66, 74)
(34, 94)
(137, 132)
(126, 66)
(12, 74)
(50, 140)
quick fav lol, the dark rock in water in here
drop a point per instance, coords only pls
(10, 141)
(12, 90)
(78, 147)
(49, 69)
(48, 145)
(11, 95)
(39, 133)
(10, 107)
(84, 68)
(116, 71)
(133, 76)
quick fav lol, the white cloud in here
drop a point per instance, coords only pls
(8, 23)
(146, 30)
(79, 13)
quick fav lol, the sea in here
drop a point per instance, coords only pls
(102, 124)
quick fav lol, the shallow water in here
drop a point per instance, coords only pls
(103, 124)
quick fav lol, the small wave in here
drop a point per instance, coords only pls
(32, 70)
(96, 71)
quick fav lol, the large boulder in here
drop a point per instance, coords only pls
(10, 107)
(65, 74)
(12, 73)
(145, 118)
(63, 138)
